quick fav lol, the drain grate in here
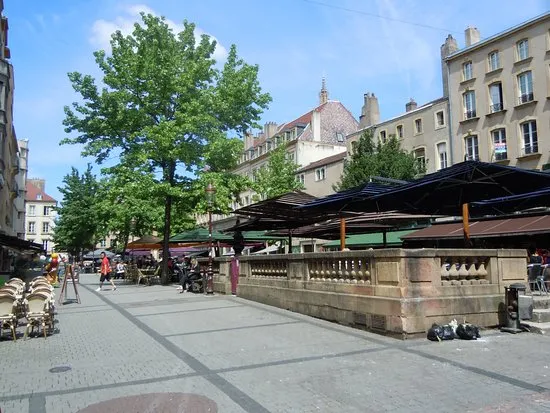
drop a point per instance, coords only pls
(59, 369)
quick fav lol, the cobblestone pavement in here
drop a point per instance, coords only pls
(153, 350)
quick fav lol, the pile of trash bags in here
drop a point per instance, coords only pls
(464, 331)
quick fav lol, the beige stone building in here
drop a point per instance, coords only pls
(319, 177)
(422, 130)
(499, 92)
(21, 179)
(40, 215)
(318, 134)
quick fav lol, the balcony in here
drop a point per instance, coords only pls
(530, 151)
(470, 115)
(526, 98)
(497, 107)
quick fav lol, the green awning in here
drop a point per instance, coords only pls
(261, 236)
(374, 239)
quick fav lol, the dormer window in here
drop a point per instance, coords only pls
(39, 197)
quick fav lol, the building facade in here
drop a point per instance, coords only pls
(40, 215)
(499, 90)
(422, 130)
(321, 176)
(21, 178)
(9, 160)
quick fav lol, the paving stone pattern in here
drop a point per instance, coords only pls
(149, 348)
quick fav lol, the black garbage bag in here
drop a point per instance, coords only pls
(440, 333)
(467, 331)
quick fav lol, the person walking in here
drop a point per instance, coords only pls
(105, 272)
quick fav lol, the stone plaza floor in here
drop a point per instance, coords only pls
(150, 349)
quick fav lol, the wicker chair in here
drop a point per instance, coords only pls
(39, 311)
(8, 318)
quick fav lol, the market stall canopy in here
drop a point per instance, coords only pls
(147, 241)
(360, 224)
(445, 191)
(199, 235)
(514, 203)
(19, 244)
(281, 212)
(393, 239)
(516, 226)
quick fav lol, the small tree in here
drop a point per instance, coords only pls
(78, 223)
(384, 159)
(277, 177)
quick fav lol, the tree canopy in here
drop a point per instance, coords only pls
(167, 108)
(384, 159)
(79, 224)
(278, 176)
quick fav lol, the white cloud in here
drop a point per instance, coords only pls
(103, 29)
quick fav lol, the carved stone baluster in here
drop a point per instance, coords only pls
(463, 272)
(453, 272)
(445, 278)
(482, 272)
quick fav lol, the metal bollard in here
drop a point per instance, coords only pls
(513, 320)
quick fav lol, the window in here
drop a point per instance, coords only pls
(112, 243)
(320, 174)
(45, 245)
(246, 200)
(383, 136)
(439, 119)
(499, 144)
(471, 148)
(46, 210)
(467, 72)
(302, 179)
(495, 94)
(529, 132)
(418, 125)
(45, 227)
(39, 197)
(340, 137)
(523, 49)
(469, 104)
(494, 61)
(103, 243)
(399, 131)
(420, 157)
(442, 152)
(32, 227)
(32, 210)
(525, 87)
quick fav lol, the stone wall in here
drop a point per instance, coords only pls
(395, 291)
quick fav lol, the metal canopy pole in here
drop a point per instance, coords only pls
(342, 234)
(466, 226)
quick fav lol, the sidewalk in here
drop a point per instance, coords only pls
(170, 352)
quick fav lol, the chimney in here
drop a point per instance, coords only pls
(248, 140)
(39, 183)
(370, 112)
(411, 105)
(270, 129)
(448, 48)
(471, 35)
(316, 125)
(323, 95)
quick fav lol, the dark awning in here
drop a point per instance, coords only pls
(19, 244)
(530, 225)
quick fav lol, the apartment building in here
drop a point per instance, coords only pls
(40, 214)
(9, 160)
(319, 177)
(422, 130)
(21, 179)
(499, 91)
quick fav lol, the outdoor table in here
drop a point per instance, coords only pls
(147, 274)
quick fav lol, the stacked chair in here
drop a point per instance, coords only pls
(35, 305)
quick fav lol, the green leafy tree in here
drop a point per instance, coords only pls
(164, 104)
(127, 204)
(78, 225)
(384, 159)
(277, 177)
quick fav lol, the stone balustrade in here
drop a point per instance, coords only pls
(398, 291)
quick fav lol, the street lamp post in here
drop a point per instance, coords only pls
(210, 193)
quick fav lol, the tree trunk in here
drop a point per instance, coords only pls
(168, 173)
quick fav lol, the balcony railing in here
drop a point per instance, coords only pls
(470, 114)
(500, 156)
(531, 148)
(496, 107)
(526, 97)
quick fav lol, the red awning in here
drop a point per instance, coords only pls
(483, 229)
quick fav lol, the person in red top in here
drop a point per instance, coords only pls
(105, 272)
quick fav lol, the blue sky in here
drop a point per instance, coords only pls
(295, 43)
